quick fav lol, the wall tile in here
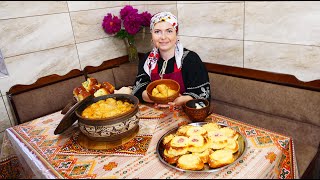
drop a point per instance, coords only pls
(25, 35)
(15, 9)
(283, 22)
(87, 25)
(217, 20)
(300, 61)
(134, 3)
(220, 51)
(143, 42)
(4, 118)
(93, 53)
(203, 2)
(26, 69)
(152, 9)
(86, 5)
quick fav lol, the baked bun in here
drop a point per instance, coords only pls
(232, 145)
(218, 139)
(76, 91)
(190, 162)
(196, 130)
(167, 139)
(108, 87)
(177, 151)
(83, 95)
(179, 141)
(197, 143)
(182, 130)
(229, 132)
(169, 158)
(211, 127)
(204, 156)
(220, 158)
(89, 83)
(101, 92)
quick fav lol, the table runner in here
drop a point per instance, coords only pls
(269, 154)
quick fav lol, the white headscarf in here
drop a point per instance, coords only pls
(154, 55)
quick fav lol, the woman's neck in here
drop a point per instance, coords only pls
(166, 55)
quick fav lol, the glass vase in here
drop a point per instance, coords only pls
(132, 51)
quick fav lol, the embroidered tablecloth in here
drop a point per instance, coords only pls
(268, 155)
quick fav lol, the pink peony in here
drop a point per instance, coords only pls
(124, 12)
(110, 24)
(146, 19)
(132, 23)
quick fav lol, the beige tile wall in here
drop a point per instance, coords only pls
(54, 37)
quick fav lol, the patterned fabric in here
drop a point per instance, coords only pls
(270, 154)
(164, 16)
(154, 55)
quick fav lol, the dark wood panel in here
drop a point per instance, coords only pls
(44, 81)
(276, 78)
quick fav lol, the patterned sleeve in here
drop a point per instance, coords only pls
(196, 78)
(142, 80)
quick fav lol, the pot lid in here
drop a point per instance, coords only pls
(70, 117)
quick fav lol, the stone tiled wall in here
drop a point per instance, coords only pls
(53, 37)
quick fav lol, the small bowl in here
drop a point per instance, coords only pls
(194, 114)
(174, 85)
(112, 128)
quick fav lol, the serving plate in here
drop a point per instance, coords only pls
(242, 141)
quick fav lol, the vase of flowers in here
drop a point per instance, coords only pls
(126, 27)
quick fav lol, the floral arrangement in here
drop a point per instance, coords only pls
(129, 24)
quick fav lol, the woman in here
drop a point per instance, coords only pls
(169, 60)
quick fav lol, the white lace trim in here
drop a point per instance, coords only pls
(199, 86)
(138, 86)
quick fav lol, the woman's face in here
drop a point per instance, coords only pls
(164, 36)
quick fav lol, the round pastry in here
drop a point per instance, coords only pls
(232, 145)
(182, 130)
(198, 143)
(177, 151)
(220, 158)
(169, 158)
(190, 162)
(179, 141)
(229, 132)
(204, 156)
(218, 139)
(196, 140)
(196, 130)
(167, 139)
(217, 136)
(211, 127)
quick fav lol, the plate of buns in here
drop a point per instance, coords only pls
(201, 147)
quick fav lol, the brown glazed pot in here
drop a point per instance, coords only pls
(112, 128)
(194, 114)
(172, 84)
